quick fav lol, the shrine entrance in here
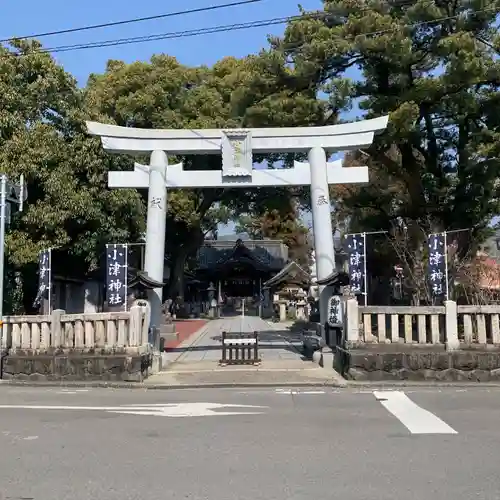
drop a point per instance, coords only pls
(240, 286)
(240, 293)
(238, 276)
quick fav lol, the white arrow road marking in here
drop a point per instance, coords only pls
(412, 416)
(159, 410)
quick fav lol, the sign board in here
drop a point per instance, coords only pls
(335, 312)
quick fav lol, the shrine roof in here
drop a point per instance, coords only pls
(293, 273)
(269, 255)
(336, 278)
(241, 254)
(142, 279)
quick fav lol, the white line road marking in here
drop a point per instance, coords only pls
(76, 391)
(159, 410)
(292, 391)
(15, 437)
(416, 419)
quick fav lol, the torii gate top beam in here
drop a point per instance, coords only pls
(332, 138)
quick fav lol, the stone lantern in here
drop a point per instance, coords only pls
(212, 302)
(301, 305)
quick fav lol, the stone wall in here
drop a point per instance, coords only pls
(416, 363)
(74, 365)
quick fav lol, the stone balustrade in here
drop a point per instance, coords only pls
(98, 332)
(448, 342)
(423, 325)
(450, 325)
(479, 324)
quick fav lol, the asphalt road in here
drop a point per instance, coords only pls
(292, 445)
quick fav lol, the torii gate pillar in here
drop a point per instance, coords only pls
(236, 147)
(155, 230)
(322, 225)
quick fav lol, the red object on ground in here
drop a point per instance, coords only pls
(184, 329)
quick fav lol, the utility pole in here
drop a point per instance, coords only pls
(9, 193)
(3, 206)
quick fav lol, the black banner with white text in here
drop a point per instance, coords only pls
(116, 276)
(44, 279)
(437, 264)
(356, 258)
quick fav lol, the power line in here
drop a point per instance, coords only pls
(167, 36)
(235, 27)
(133, 21)
(142, 19)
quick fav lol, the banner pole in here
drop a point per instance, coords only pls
(126, 276)
(50, 281)
(364, 269)
(446, 265)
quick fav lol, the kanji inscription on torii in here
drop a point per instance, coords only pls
(237, 158)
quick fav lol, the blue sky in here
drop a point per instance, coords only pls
(34, 16)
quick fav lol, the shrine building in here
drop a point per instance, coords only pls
(256, 272)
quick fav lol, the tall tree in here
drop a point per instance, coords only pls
(433, 66)
(42, 136)
(279, 219)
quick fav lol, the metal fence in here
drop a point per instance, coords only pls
(240, 348)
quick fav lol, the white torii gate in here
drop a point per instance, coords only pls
(237, 147)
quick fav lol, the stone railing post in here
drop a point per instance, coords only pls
(4, 333)
(135, 327)
(351, 322)
(56, 328)
(155, 338)
(451, 321)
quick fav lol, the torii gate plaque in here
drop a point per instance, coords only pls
(236, 147)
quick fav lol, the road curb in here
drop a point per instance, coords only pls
(349, 385)
(355, 384)
(142, 385)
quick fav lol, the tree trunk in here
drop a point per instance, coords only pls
(179, 259)
(176, 282)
